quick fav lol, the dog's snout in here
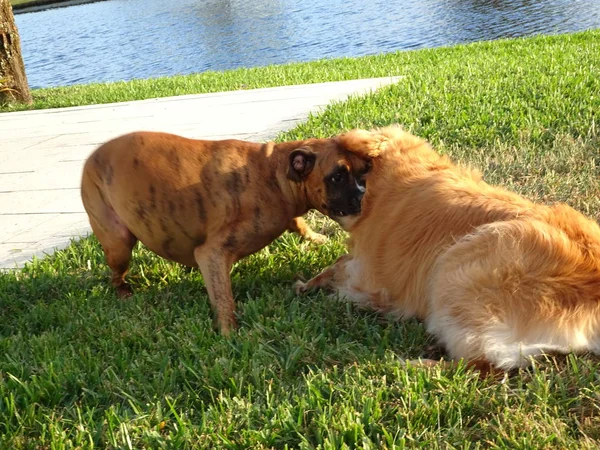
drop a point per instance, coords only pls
(355, 202)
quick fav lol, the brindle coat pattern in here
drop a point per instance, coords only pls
(210, 203)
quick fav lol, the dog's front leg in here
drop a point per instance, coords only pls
(215, 265)
(299, 225)
(328, 279)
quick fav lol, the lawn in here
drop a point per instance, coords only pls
(21, 4)
(81, 369)
(206, 82)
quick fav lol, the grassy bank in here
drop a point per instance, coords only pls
(39, 5)
(20, 4)
(81, 369)
(206, 82)
(402, 63)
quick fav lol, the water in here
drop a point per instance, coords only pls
(127, 39)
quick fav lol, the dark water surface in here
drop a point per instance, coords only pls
(126, 39)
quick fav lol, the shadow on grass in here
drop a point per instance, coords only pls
(75, 356)
(62, 312)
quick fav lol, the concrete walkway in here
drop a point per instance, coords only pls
(42, 152)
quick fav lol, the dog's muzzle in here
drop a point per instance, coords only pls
(351, 209)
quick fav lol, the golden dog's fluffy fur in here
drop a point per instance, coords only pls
(496, 278)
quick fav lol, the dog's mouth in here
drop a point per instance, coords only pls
(341, 213)
(332, 212)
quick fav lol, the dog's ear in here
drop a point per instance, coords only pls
(302, 162)
(363, 143)
(370, 144)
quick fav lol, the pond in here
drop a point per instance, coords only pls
(126, 39)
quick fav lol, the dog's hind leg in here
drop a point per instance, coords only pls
(299, 225)
(114, 237)
(488, 293)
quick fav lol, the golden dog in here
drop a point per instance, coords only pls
(210, 203)
(496, 278)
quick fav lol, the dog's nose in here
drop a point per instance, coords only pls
(355, 202)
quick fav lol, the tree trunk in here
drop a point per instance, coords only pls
(13, 81)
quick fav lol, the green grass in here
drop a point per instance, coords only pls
(20, 2)
(206, 82)
(81, 369)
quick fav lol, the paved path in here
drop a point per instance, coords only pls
(42, 152)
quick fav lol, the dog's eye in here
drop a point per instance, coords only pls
(337, 178)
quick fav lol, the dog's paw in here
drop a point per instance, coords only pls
(225, 326)
(124, 291)
(317, 238)
(300, 287)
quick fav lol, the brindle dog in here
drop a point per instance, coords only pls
(208, 204)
